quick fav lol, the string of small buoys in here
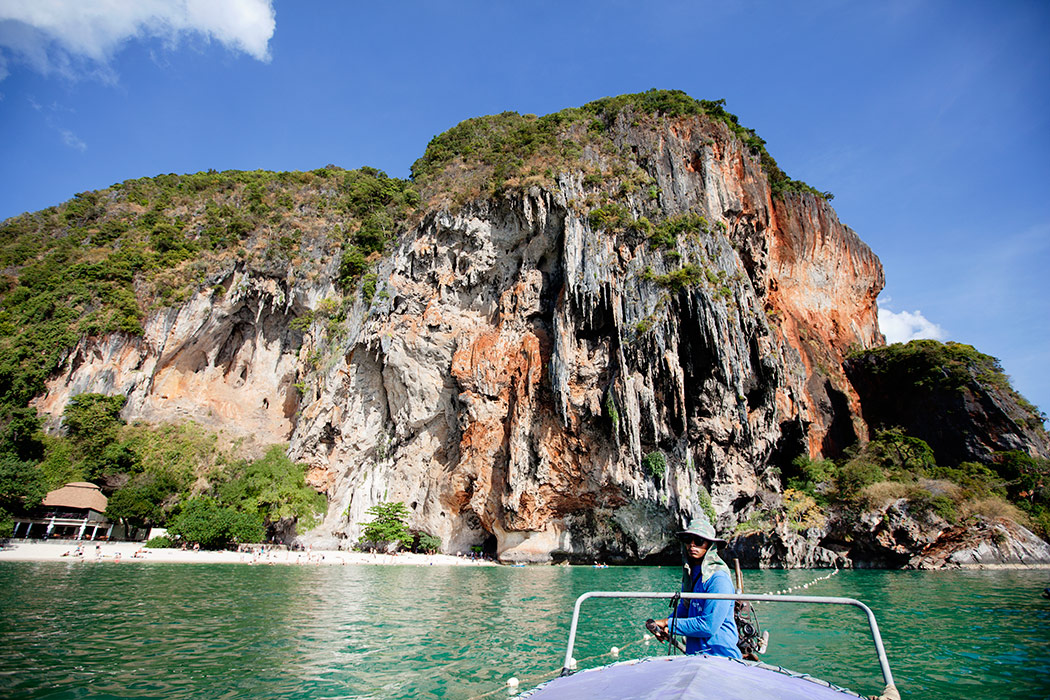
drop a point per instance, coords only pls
(800, 587)
(513, 683)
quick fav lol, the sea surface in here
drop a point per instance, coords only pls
(109, 630)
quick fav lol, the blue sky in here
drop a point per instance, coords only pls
(929, 121)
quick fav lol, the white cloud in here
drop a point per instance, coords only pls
(908, 325)
(71, 140)
(71, 37)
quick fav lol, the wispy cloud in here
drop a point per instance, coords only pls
(900, 327)
(71, 140)
(76, 38)
(52, 116)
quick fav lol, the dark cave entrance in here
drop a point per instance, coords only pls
(841, 433)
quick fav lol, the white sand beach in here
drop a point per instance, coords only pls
(134, 552)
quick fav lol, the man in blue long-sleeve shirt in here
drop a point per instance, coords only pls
(707, 625)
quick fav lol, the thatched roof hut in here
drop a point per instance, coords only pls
(79, 495)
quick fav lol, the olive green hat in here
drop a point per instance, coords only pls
(700, 527)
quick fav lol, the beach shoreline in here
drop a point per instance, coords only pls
(37, 551)
(135, 552)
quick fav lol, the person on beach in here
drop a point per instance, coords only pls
(708, 626)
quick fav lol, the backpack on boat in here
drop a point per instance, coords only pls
(751, 640)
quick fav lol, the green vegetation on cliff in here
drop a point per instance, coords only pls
(488, 153)
(100, 262)
(894, 465)
(675, 103)
(930, 366)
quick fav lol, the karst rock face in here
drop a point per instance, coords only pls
(522, 367)
(528, 380)
(228, 358)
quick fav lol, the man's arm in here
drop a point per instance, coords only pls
(713, 612)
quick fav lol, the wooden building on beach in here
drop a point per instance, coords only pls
(75, 511)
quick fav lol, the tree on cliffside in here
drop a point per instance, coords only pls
(93, 424)
(205, 522)
(389, 526)
(274, 488)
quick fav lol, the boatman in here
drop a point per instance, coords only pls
(707, 625)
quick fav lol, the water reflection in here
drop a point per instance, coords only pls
(179, 631)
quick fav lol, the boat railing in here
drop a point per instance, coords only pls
(884, 663)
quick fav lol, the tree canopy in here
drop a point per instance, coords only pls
(273, 487)
(206, 522)
(389, 525)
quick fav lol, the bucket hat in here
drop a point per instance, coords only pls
(700, 527)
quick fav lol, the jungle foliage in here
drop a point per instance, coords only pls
(100, 262)
(212, 525)
(150, 473)
(894, 465)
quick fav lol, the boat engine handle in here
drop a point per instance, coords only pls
(660, 635)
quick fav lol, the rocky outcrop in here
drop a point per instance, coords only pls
(984, 544)
(899, 537)
(562, 367)
(786, 548)
(951, 396)
(227, 359)
(895, 536)
(521, 364)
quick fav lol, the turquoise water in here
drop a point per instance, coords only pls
(104, 630)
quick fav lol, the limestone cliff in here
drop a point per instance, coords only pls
(525, 359)
(227, 359)
(594, 326)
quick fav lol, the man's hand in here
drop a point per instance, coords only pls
(659, 629)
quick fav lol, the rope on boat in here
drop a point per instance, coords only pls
(804, 585)
(505, 689)
(549, 675)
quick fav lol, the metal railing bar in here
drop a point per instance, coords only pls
(884, 663)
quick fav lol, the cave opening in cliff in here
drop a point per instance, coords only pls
(553, 279)
(490, 546)
(841, 433)
(792, 444)
(598, 323)
(758, 389)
